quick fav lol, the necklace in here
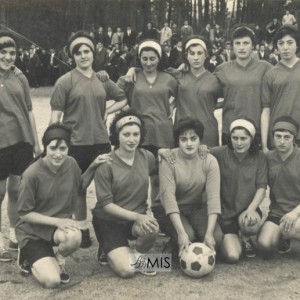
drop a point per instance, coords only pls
(151, 80)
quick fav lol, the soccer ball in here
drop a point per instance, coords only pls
(198, 260)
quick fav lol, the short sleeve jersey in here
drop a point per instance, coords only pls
(242, 90)
(51, 194)
(281, 90)
(83, 102)
(239, 179)
(197, 98)
(284, 182)
(122, 184)
(15, 103)
(151, 101)
(190, 183)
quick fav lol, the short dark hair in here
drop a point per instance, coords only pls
(242, 30)
(255, 143)
(287, 30)
(185, 125)
(80, 33)
(114, 131)
(8, 43)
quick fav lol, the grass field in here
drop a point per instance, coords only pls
(275, 277)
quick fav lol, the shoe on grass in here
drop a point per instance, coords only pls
(143, 270)
(249, 249)
(86, 239)
(147, 272)
(4, 254)
(13, 246)
(284, 246)
(23, 264)
(102, 257)
(64, 275)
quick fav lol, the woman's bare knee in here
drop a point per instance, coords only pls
(51, 282)
(69, 240)
(124, 272)
(46, 271)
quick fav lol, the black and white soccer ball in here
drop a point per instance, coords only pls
(199, 260)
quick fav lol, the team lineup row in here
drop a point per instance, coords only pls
(234, 176)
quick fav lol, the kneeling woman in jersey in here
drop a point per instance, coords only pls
(48, 196)
(122, 189)
(243, 183)
(189, 190)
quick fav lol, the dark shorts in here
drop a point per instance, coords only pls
(85, 155)
(194, 218)
(15, 159)
(35, 250)
(231, 226)
(112, 234)
(274, 219)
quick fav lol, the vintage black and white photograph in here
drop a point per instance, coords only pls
(149, 149)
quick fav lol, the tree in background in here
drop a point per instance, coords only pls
(50, 22)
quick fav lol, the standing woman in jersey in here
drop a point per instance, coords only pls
(18, 137)
(122, 190)
(281, 85)
(241, 80)
(150, 96)
(243, 170)
(81, 98)
(198, 90)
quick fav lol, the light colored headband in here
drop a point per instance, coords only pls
(195, 42)
(151, 44)
(82, 40)
(245, 124)
(7, 39)
(283, 125)
(128, 119)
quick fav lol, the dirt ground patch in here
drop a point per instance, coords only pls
(276, 277)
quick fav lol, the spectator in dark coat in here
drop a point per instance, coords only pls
(176, 56)
(129, 37)
(101, 57)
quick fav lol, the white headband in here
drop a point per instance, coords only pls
(245, 124)
(196, 41)
(151, 44)
(6, 39)
(82, 40)
(128, 119)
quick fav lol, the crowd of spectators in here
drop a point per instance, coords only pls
(116, 49)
